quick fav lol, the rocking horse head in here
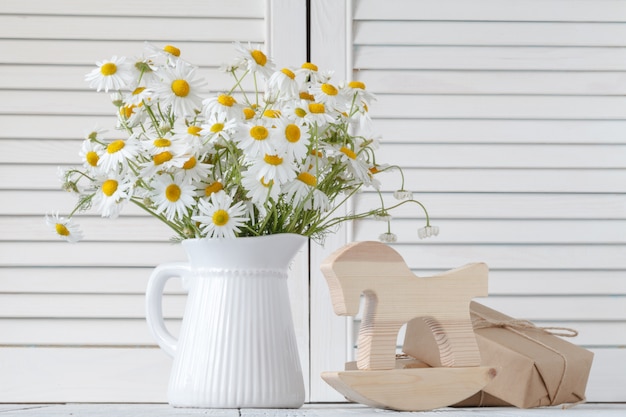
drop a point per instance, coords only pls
(394, 296)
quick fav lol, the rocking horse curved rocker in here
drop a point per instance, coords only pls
(394, 296)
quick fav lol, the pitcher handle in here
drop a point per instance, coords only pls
(154, 302)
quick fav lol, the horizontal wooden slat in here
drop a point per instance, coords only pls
(49, 77)
(498, 231)
(428, 255)
(85, 280)
(489, 33)
(77, 52)
(495, 107)
(79, 332)
(98, 28)
(139, 8)
(118, 306)
(504, 206)
(494, 82)
(512, 10)
(499, 131)
(89, 254)
(489, 58)
(494, 155)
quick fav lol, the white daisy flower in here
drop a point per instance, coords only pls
(192, 136)
(219, 217)
(295, 137)
(273, 167)
(223, 106)
(311, 73)
(112, 193)
(219, 128)
(180, 90)
(173, 196)
(329, 95)
(138, 96)
(257, 138)
(258, 190)
(296, 110)
(165, 161)
(90, 155)
(155, 145)
(254, 59)
(320, 114)
(194, 170)
(282, 85)
(65, 228)
(117, 154)
(207, 187)
(355, 90)
(168, 54)
(356, 165)
(388, 237)
(113, 74)
(303, 190)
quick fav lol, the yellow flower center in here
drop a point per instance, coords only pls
(273, 159)
(259, 132)
(300, 112)
(217, 127)
(259, 57)
(127, 111)
(109, 187)
(348, 152)
(292, 133)
(180, 88)
(172, 50)
(162, 158)
(308, 179)
(317, 108)
(226, 100)
(92, 158)
(108, 69)
(309, 66)
(248, 113)
(306, 96)
(191, 162)
(272, 114)
(194, 130)
(162, 143)
(316, 153)
(213, 188)
(172, 193)
(329, 89)
(138, 90)
(61, 229)
(357, 84)
(374, 170)
(116, 146)
(289, 73)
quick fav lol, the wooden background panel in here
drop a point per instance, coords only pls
(469, 58)
(505, 205)
(499, 131)
(98, 27)
(485, 10)
(494, 82)
(138, 8)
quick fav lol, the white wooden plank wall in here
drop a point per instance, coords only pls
(509, 118)
(72, 316)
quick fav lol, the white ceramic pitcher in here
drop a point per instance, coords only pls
(237, 345)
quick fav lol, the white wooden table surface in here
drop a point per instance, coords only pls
(309, 410)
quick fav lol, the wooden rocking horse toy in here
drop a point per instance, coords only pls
(394, 296)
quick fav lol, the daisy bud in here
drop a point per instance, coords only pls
(403, 195)
(388, 237)
(428, 231)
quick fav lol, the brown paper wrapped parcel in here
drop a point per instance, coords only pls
(535, 368)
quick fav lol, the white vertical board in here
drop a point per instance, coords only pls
(509, 120)
(72, 319)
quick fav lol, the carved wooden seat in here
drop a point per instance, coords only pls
(394, 296)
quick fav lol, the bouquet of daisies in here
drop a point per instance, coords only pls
(281, 159)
